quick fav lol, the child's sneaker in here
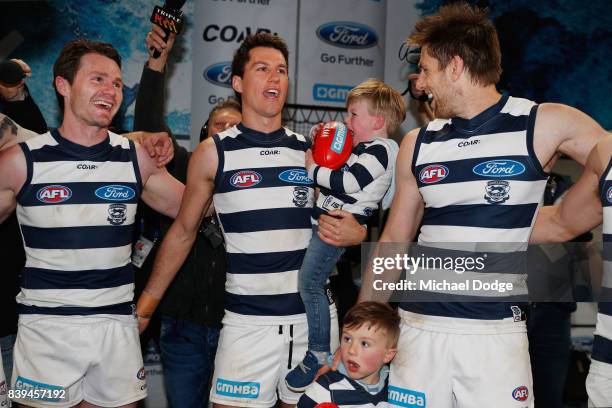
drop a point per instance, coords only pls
(304, 374)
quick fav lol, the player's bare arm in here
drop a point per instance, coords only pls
(14, 173)
(580, 210)
(161, 191)
(11, 133)
(405, 214)
(181, 235)
(563, 129)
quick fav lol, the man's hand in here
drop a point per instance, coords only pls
(339, 228)
(157, 144)
(24, 67)
(147, 303)
(155, 41)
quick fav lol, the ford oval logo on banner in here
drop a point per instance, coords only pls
(219, 74)
(347, 34)
(298, 176)
(499, 168)
(115, 192)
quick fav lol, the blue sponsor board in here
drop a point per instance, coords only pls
(237, 389)
(330, 93)
(347, 34)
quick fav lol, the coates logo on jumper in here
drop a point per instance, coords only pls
(115, 192)
(347, 34)
(520, 393)
(499, 168)
(219, 74)
(54, 194)
(141, 375)
(433, 173)
(245, 178)
(295, 176)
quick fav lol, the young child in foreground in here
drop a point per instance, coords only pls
(369, 339)
(375, 110)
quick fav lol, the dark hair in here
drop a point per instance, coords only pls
(460, 29)
(377, 315)
(69, 61)
(261, 39)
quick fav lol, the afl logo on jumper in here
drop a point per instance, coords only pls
(347, 34)
(609, 195)
(141, 375)
(54, 194)
(115, 192)
(499, 168)
(520, 393)
(433, 173)
(245, 178)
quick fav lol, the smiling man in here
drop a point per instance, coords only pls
(255, 174)
(475, 174)
(76, 189)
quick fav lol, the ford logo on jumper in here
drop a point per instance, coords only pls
(115, 192)
(297, 176)
(347, 34)
(499, 168)
(219, 74)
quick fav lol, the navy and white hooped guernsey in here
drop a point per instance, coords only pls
(76, 212)
(264, 199)
(602, 343)
(481, 183)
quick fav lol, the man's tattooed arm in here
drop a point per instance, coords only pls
(11, 133)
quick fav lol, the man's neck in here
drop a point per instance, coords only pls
(261, 123)
(80, 133)
(475, 100)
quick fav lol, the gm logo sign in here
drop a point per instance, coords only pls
(237, 389)
(330, 93)
(346, 34)
(219, 74)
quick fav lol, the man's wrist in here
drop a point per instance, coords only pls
(147, 303)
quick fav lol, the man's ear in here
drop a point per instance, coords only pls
(456, 67)
(62, 85)
(389, 355)
(237, 83)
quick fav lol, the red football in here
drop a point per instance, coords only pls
(332, 145)
(326, 405)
